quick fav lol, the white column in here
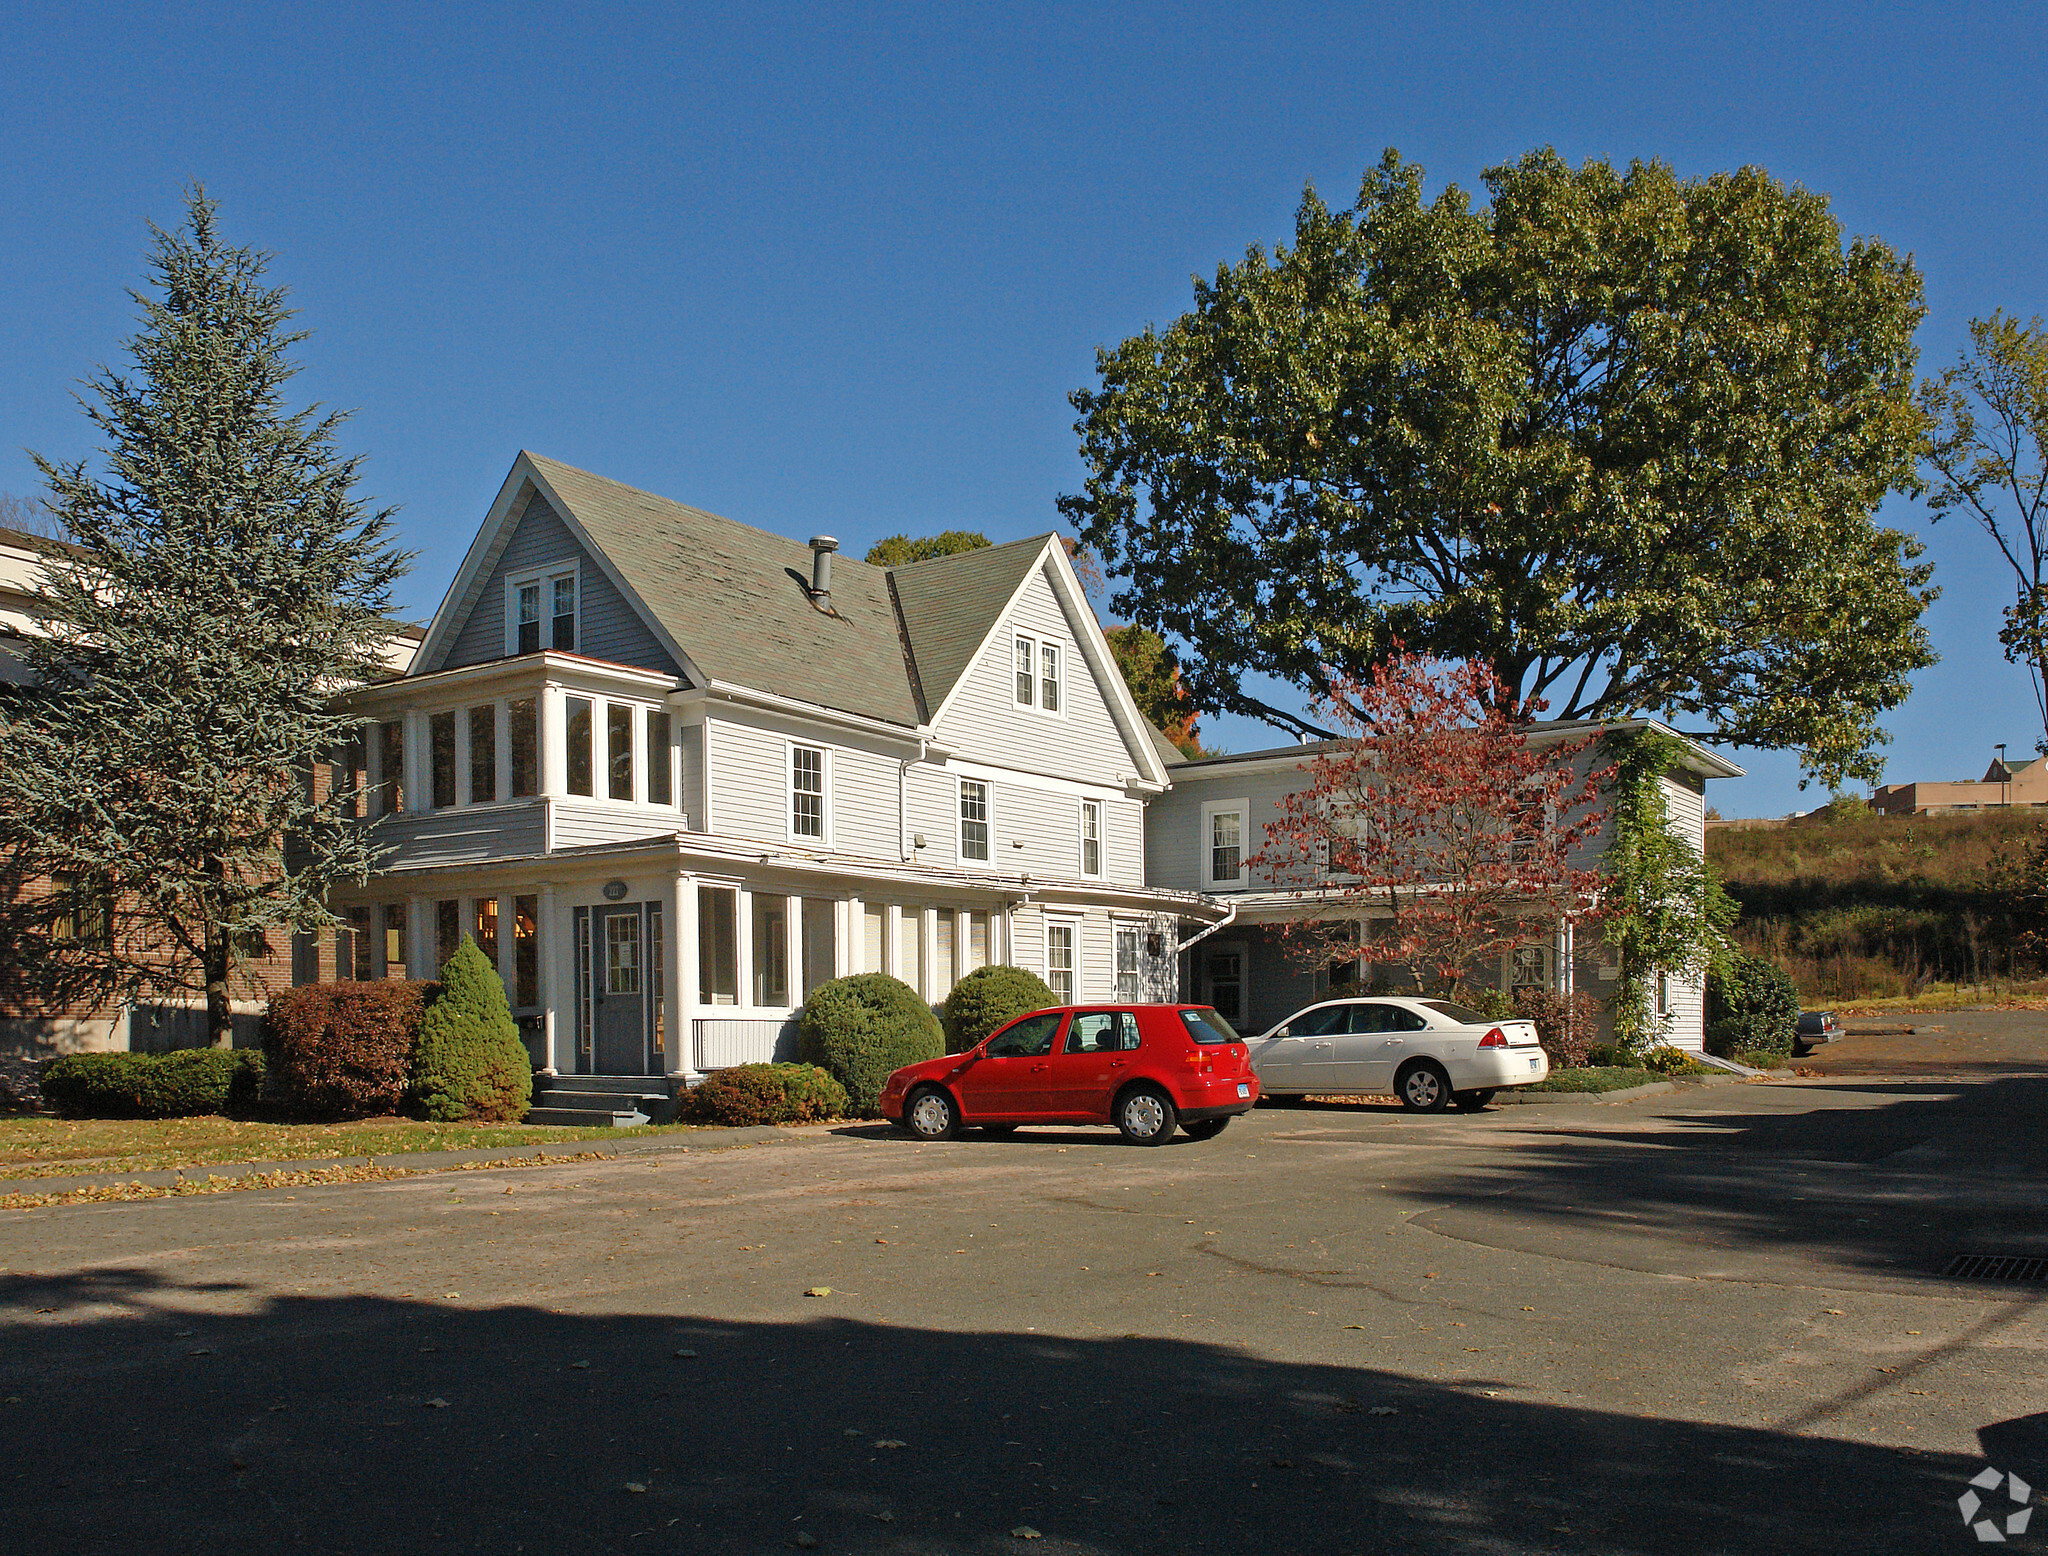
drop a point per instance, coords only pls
(892, 927)
(928, 960)
(419, 935)
(554, 759)
(793, 935)
(847, 958)
(682, 978)
(418, 763)
(462, 757)
(501, 717)
(743, 946)
(554, 934)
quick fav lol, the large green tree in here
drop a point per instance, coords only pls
(223, 583)
(1619, 435)
(1989, 458)
(896, 550)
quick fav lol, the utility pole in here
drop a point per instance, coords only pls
(2004, 778)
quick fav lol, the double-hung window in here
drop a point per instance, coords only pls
(542, 607)
(1059, 960)
(1127, 987)
(807, 792)
(1223, 843)
(1091, 837)
(973, 819)
(1038, 683)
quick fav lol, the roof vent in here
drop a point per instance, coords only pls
(822, 547)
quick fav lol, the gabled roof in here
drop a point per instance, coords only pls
(950, 604)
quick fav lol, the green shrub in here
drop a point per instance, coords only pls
(990, 997)
(1667, 1060)
(862, 1028)
(1566, 1024)
(185, 1084)
(1751, 1004)
(342, 1050)
(469, 1062)
(1495, 1004)
(766, 1094)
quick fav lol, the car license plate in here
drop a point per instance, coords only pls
(1244, 1088)
(1535, 1064)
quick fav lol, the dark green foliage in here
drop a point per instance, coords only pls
(896, 550)
(1752, 1006)
(220, 579)
(469, 1062)
(1566, 1024)
(1487, 1000)
(1619, 434)
(863, 1028)
(766, 1094)
(184, 1084)
(990, 997)
(342, 1050)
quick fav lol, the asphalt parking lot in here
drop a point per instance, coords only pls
(1710, 1322)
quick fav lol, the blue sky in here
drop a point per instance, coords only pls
(838, 267)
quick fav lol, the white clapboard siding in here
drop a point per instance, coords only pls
(750, 786)
(582, 823)
(1175, 846)
(719, 1042)
(983, 724)
(464, 835)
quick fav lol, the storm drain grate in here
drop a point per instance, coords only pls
(1995, 1266)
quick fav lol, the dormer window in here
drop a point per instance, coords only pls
(542, 607)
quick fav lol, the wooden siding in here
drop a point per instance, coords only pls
(1174, 844)
(466, 835)
(750, 785)
(983, 724)
(1046, 822)
(610, 628)
(581, 823)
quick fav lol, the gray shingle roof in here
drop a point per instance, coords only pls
(735, 598)
(950, 605)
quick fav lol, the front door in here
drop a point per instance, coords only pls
(1012, 1078)
(1222, 983)
(621, 983)
(1093, 1061)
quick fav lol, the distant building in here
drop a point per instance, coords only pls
(2002, 786)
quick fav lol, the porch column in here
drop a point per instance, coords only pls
(743, 946)
(793, 947)
(852, 942)
(554, 755)
(554, 935)
(682, 978)
(418, 763)
(419, 937)
(928, 955)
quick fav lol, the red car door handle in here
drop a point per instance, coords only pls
(1118, 1064)
(1036, 1068)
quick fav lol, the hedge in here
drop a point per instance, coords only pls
(1567, 1025)
(861, 1029)
(1752, 1006)
(186, 1083)
(766, 1094)
(342, 1050)
(990, 997)
(469, 1062)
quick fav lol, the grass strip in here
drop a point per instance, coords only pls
(1599, 1077)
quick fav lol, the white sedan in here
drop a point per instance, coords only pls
(1429, 1053)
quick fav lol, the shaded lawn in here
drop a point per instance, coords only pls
(29, 1146)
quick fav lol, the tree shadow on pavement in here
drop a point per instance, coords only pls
(139, 1418)
(1893, 1189)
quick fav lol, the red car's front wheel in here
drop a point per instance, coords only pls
(931, 1115)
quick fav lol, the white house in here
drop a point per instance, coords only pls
(673, 772)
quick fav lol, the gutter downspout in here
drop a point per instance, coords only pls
(904, 851)
(1229, 915)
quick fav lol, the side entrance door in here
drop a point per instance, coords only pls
(621, 984)
(1222, 981)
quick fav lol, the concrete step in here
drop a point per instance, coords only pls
(586, 1118)
(638, 1085)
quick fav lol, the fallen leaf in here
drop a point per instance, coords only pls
(582, 1366)
(1383, 1410)
(805, 1539)
(883, 1241)
(1912, 1331)
(891, 1442)
(1354, 1326)
(1835, 1311)
(817, 1291)
(451, 1296)
(204, 1350)
(437, 1404)
(634, 1485)
(1528, 1310)
(1026, 1532)
(885, 1516)
(687, 1354)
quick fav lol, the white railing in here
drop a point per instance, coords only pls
(719, 1042)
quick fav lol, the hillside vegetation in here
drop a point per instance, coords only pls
(1860, 906)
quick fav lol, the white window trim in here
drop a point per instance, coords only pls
(789, 792)
(960, 821)
(1101, 869)
(1204, 857)
(1039, 642)
(544, 576)
(1048, 923)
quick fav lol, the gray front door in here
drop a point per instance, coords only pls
(620, 979)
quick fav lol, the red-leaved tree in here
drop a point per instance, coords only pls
(1439, 822)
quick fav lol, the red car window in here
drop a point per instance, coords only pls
(1027, 1038)
(1102, 1032)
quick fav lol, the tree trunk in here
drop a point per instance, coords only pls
(220, 1018)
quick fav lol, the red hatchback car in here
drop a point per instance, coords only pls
(1148, 1069)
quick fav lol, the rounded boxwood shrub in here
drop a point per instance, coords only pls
(990, 997)
(861, 1028)
(342, 1050)
(1752, 1006)
(766, 1094)
(187, 1083)
(469, 1062)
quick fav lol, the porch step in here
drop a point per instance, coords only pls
(602, 1101)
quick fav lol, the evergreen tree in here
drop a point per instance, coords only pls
(469, 1061)
(221, 584)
